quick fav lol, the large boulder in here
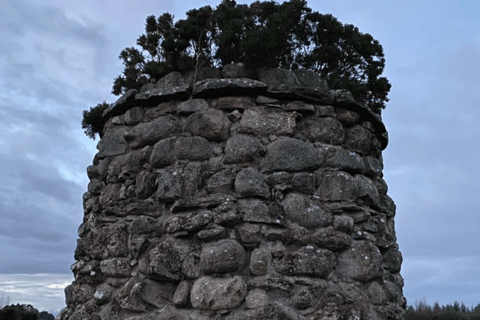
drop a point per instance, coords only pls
(291, 155)
(306, 212)
(222, 256)
(264, 122)
(250, 183)
(149, 133)
(210, 293)
(211, 124)
(362, 262)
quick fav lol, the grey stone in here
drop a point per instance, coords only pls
(241, 148)
(158, 294)
(234, 70)
(342, 96)
(331, 239)
(346, 160)
(151, 132)
(127, 166)
(192, 106)
(308, 260)
(232, 86)
(249, 233)
(191, 266)
(112, 143)
(326, 130)
(222, 256)
(123, 103)
(376, 293)
(250, 183)
(211, 124)
(217, 294)
(254, 210)
(367, 190)
(343, 223)
(145, 184)
(308, 213)
(181, 295)
(264, 122)
(347, 117)
(169, 185)
(392, 260)
(220, 182)
(189, 222)
(373, 167)
(211, 232)
(308, 78)
(157, 95)
(256, 298)
(259, 261)
(358, 139)
(298, 106)
(193, 148)
(233, 103)
(337, 186)
(165, 259)
(133, 116)
(103, 294)
(362, 262)
(170, 80)
(128, 297)
(116, 267)
(303, 182)
(291, 155)
(95, 186)
(144, 224)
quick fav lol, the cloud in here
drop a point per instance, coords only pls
(44, 291)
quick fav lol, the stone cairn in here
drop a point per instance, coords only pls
(223, 197)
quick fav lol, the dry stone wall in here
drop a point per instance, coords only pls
(233, 198)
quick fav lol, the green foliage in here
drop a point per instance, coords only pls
(19, 312)
(455, 311)
(92, 121)
(288, 35)
(263, 34)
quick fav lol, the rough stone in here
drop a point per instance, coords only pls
(308, 213)
(165, 259)
(303, 182)
(264, 122)
(347, 117)
(337, 186)
(234, 70)
(306, 261)
(291, 155)
(338, 157)
(326, 130)
(233, 103)
(216, 294)
(211, 124)
(259, 261)
(193, 148)
(160, 94)
(362, 262)
(358, 139)
(149, 133)
(221, 182)
(134, 116)
(241, 148)
(250, 183)
(232, 86)
(116, 267)
(112, 143)
(222, 256)
(123, 103)
(192, 106)
(331, 239)
(181, 295)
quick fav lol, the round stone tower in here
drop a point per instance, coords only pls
(215, 196)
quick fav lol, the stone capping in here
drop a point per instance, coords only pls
(295, 89)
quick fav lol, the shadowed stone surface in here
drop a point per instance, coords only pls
(244, 200)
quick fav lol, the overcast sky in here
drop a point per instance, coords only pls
(59, 57)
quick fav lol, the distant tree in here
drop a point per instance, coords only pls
(263, 34)
(19, 312)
